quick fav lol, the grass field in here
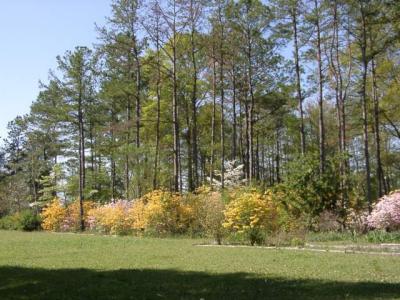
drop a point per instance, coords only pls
(69, 266)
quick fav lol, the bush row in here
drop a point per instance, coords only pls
(247, 213)
(237, 215)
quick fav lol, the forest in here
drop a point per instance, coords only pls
(296, 101)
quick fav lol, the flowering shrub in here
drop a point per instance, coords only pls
(53, 216)
(251, 213)
(208, 212)
(386, 213)
(357, 221)
(113, 218)
(161, 212)
(56, 217)
(72, 220)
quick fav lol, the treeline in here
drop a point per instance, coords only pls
(298, 92)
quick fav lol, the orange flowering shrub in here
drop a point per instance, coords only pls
(53, 216)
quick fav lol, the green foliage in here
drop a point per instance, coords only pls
(10, 222)
(26, 220)
(30, 221)
(307, 190)
(51, 185)
(375, 237)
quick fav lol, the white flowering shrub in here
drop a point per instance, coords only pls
(233, 176)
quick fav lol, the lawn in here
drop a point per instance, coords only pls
(72, 266)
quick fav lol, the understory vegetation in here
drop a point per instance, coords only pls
(234, 216)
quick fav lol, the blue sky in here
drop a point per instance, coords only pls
(32, 34)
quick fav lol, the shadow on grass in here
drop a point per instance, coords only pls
(25, 283)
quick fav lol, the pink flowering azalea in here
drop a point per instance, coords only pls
(386, 213)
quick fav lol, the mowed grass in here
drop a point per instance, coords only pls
(73, 266)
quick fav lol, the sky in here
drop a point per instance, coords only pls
(32, 34)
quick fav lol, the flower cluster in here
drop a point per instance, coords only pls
(57, 217)
(53, 216)
(112, 218)
(251, 211)
(158, 211)
(386, 213)
(161, 212)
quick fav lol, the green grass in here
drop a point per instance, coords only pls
(70, 266)
(374, 237)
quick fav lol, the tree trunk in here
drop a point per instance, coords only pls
(222, 95)
(138, 113)
(234, 125)
(157, 154)
(128, 138)
(298, 79)
(364, 62)
(194, 99)
(175, 119)
(82, 178)
(251, 108)
(214, 91)
(320, 93)
(380, 176)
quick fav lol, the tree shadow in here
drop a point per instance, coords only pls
(32, 284)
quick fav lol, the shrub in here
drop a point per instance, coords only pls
(357, 221)
(10, 222)
(72, 219)
(310, 192)
(29, 221)
(327, 221)
(25, 220)
(208, 212)
(253, 214)
(57, 217)
(386, 213)
(161, 212)
(53, 215)
(113, 218)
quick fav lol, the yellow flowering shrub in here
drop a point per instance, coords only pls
(53, 216)
(113, 218)
(251, 213)
(57, 217)
(72, 221)
(161, 212)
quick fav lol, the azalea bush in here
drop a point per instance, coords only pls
(53, 216)
(357, 220)
(161, 212)
(386, 213)
(58, 217)
(112, 218)
(253, 214)
(72, 220)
